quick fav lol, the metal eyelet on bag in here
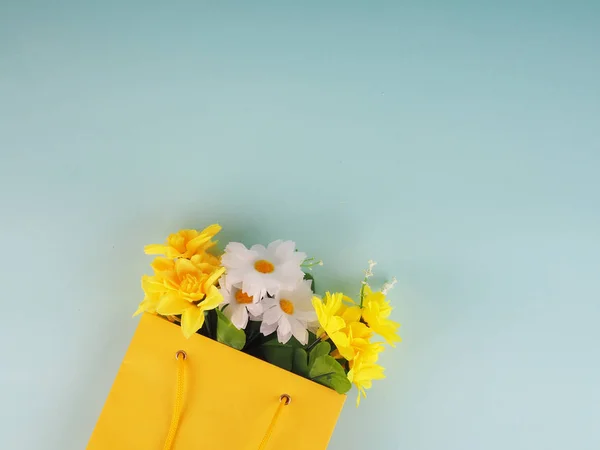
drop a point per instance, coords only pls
(182, 353)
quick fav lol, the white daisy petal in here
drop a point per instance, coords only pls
(237, 254)
(239, 317)
(284, 331)
(255, 309)
(231, 308)
(258, 248)
(285, 249)
(306, 316)
(232, 280)
(299, 331)
(272, 315)
(284, 325)
(259, 319)
(273, 246)
(266, 328)
(283, 337)
(268, 302)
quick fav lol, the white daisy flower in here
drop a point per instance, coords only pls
(240, 306)
(290, 312)
(263, 270)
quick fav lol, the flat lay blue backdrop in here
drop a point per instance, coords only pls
(455, 143)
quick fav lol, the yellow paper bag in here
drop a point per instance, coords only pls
(229, 399)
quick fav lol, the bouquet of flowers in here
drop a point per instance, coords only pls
(261, 300)
(216, 331)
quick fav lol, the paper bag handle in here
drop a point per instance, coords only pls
(178, 399)
(181, 356)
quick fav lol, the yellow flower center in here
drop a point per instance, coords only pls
(242, 297)
(264, 266)
(189, 284)
(286, 306)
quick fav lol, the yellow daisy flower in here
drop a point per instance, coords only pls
(359, 342)
(362, 373)
(376, 310)
(328, 314)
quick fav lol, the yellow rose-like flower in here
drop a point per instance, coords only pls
(206, 262)
(375, 313)
(363, 371)
(153, 290)
(180, 287)
(185, 243)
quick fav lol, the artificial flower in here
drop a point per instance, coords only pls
(362, 373)
(358, 339)
(329, 312)
(289, 312)
(262, 270)
(185, 243)
(238, 305)
(205, 261)
(153, 290)
(376, 310)
(388, 285)
(181, 288)
(349, 311)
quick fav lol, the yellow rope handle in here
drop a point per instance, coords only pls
(284, 400)
(181, 356)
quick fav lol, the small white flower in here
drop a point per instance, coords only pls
(369, 271)
(240, 306)
(261, 270)
(290, 312)
(389, 285)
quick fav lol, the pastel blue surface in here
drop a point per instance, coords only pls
(457, 145)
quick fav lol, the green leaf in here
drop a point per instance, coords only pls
(308, 276)
(300, 365)
(228, 334)
(328, 372)
(321, 349)
(282, 355)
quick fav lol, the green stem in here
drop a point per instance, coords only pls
(251, 340)
(319, 339)
(362, 292)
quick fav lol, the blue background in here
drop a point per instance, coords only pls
(456, 143)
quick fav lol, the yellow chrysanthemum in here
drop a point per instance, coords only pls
(339, 319)
(328, 313)
(181, 287)
(359, 342)
(349, 311)
(185, 243)
(363, 371)
(376, 310)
